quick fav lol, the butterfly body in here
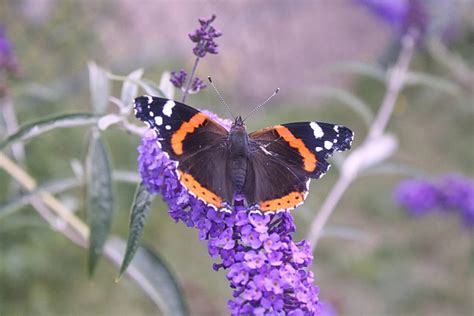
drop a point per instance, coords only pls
(238, 147)
(271, 167)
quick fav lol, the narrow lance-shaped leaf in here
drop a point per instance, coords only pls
(154, 277)
(166, 86)
(99, 88)
(348, 99)
(139, 213)
(99, 198)
(53, 187)
(433, 82)
(360, 69)
(151, 88)
(130, 88)
(37, 128)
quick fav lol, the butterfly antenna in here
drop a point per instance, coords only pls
(265, 102)
(220, 97)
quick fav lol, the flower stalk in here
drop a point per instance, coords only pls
(349, 172)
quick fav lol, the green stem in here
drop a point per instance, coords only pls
(188, 84)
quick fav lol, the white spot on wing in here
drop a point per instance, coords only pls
(168, 108)
(266, 151)
(327, 145)
(158, 120)
(150, 99)
(318, 132)
(151, 113)
(336, 128)
(168, 127)
(318, 149)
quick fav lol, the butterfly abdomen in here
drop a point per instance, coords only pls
(238, 157)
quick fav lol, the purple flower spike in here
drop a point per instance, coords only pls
(266, 269)
(204, 37)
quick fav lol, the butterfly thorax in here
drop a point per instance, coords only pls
(238, 145)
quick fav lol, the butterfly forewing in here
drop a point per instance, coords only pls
(194, 141)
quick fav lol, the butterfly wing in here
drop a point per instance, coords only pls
(285, 157)
(194, 141)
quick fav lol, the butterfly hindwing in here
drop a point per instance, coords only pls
(274, 182)
(194, 141)
(203, 174)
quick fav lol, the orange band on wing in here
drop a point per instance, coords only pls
(186, 128)
(309, 159)
(198, 190)
(289, 201)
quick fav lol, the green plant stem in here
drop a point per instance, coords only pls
(25, 180)
(188, 84)
(349, 173)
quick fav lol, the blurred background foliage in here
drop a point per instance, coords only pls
(390, 265)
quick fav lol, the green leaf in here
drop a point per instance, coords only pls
(99, 88)
(155, 278)
(139, 213)
(433, 82)
(361, 69)
(98, 197)
(22, 200)
(151, 88)
(37, 128)
(348, 99)
(391, 168)
(58, 186)
(346, 232)
(166, 86)
(130, 88)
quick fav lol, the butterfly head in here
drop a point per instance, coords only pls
(238, 124)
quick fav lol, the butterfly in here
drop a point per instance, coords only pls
(271, 167)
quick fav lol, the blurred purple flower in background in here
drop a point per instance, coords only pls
(452, 193)
(327, 308)
(267, 270)
(440, 18)
(402, 15)
(8, 60)
(417, 196)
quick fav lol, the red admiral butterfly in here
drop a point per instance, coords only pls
(271, 167)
